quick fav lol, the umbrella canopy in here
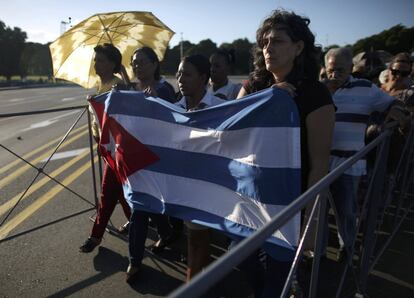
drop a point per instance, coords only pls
(73, 52)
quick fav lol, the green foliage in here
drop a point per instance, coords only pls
(394, 40)
(243, 58)
(12, 41)
(36, 60)
(172, 57)
(207, 47)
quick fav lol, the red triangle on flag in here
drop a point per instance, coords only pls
(130, 154)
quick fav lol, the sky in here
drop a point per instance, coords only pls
(338, 22)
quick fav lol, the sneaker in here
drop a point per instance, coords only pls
(90, 244)
(124, 229)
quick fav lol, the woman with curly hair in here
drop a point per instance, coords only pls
(285, 56)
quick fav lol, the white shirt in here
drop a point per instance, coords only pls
(208, 100)
(230, 90)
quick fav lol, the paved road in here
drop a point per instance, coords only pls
(39, 242)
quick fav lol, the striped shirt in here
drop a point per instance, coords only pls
(355, 101)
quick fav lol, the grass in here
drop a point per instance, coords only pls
(28, 78)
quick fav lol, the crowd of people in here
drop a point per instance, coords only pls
(334, 108)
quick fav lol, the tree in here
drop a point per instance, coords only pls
(242, 52)
(11, 47)
(169, 64)
(35, 60)
(205, 47)
(394, 40)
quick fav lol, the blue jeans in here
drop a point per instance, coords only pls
(344, 193)
(138, 230)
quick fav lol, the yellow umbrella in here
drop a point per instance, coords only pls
(72, 53)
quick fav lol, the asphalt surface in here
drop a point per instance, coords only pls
(39, 241)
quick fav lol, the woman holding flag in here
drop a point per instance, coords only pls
(107, 63)
(286, 57)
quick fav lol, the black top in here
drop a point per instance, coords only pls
(310, 96)
(165, 91)
(162, 87)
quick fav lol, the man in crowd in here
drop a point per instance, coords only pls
(355, 99)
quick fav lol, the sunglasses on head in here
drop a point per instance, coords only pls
(402, 73)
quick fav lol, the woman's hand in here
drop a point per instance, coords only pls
(150, 90)
(287, 87)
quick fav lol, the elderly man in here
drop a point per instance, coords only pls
(355, 100)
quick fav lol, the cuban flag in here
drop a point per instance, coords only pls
(231, 167)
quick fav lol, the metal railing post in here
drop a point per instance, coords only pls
(373, 195)
(92, 156)
(212, 274)
(318, 244)
(405, 175)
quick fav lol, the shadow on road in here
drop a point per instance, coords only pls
(107, 262)
(46, 224)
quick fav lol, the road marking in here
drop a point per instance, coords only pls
(48, 121)
(32, 208)
(10, 203)
(66, 154)
(71, 98)
(27, 100)
(25, 167)
(41, 148)
(18, 99)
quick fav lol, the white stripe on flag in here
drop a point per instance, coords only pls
(214, 199)
(221, 143)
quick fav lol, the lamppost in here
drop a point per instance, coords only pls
(63, 25)
(181, 46)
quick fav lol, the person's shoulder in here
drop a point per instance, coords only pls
(236, 86)
(211, 99)
(166, 90)
(117, 80)
(165, 82)
(359, 82)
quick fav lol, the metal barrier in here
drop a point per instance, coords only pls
(382, 189)
(40, 170)
(376, 200)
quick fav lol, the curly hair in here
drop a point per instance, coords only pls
(306, 65)
(112, 53)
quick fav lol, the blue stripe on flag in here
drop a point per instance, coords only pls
(270, 108)
(273, 187)
(153, 205)
(262, 184)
